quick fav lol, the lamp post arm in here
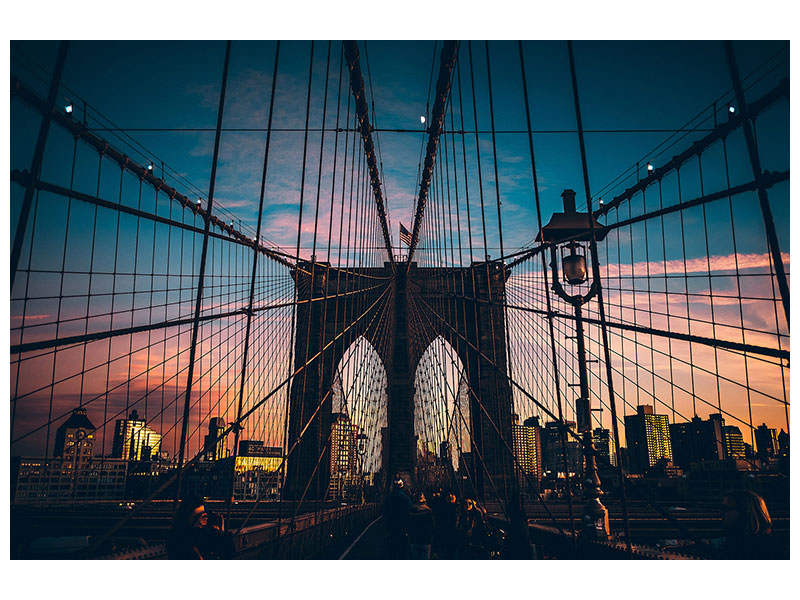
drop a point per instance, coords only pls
(595, 515)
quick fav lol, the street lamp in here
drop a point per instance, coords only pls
(361, 448)
(566, 234)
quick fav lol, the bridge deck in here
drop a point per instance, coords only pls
(368, 543)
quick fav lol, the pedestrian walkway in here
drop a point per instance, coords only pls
(366, 543)
(370, 544)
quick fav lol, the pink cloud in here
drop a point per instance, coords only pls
(712, 264)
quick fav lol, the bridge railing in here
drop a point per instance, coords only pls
(301, 538)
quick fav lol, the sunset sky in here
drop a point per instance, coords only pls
(164, 95)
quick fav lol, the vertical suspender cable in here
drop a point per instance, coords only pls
(204, 252)
(36, 163)
(596, 273)
(297, 275)
(448, 59)
(321, 341)
(544, 270)
(758, 174)
(502, 250)
(256, 243)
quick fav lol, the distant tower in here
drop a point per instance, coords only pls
(783, 443)
(647, 435)
(214, 445)
(527, 444)
(604, 446)
(75, 439)
(766, 442)
(134, 440)
(344, 454)
(554, 449)
(734, 442)
(698, 440)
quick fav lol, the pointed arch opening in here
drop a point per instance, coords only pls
(358, 422)
(442, 421)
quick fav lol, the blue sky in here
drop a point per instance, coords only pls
(623, 85)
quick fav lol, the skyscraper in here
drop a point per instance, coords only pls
(215, 444)
(603, 441)
(734, 442)
(75, 439)
(647, 436)
(527, 445)
(344, 454)
(783, 443)
(766, 442)
(253, 454)
(697, 440)
(134, 440)
(554, 449)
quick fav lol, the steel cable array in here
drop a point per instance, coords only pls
(135, 290)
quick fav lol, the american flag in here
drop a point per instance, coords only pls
(405, 235)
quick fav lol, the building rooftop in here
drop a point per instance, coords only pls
(78, 419)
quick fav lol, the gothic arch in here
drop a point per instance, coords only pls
(441, 407)
(469, 319)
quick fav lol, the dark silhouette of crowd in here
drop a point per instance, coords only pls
(437, 524)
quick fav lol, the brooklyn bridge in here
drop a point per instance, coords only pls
(298, 279)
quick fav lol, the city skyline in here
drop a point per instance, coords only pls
(587, 303)
(87, 69)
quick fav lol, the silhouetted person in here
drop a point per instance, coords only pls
(420, 529)
(395, 512)
(517, 544)
(748, 528)
(474, 530)
(446, 533)
(435, 501)
(184, 538)
(215, 542)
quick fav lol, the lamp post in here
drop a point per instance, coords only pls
(361, 448)
(564, 233)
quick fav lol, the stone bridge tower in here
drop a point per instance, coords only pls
(463, 305)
